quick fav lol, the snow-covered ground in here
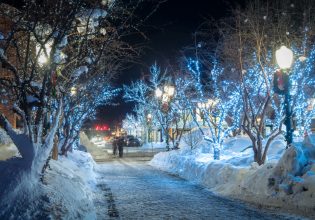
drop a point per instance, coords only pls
(138, 191)
(287, 180)
(71, 187)
(7, 148)
(68, 190)
(154, 145)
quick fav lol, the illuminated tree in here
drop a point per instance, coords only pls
(130, 123)
(168, 111)
(215, 102)
(59, 45)
(248, 44)
(80, 106)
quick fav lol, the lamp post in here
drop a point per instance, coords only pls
(284, 57)
(165, 97)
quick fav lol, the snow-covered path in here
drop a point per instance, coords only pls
(134, 190)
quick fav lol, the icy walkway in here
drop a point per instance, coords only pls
(138, 191)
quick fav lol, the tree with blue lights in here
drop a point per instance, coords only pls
(131, 123)
(215, 101)
(59, 45)
(168, 111)
(248, 48)
(80, 106)
(302, 80)
(137, 124)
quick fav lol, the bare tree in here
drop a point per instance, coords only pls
(248, 45)
(215, 101)
(193, 138)
(58, 45)
(168, 111)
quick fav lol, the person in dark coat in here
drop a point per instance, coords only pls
(115, 146)
(120, 144)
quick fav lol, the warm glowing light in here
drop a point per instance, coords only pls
(101, 128)
(212, 102)
(258, 119)
(302, 58)
(42, 58)
(170, 90)
(73, 91)
(165, 98)
(284, 57)
(158, 93)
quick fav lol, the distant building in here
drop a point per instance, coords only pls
(5, 103)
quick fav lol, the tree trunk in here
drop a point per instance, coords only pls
(43, 151)
(216, 153)
(258, 154)
(55, 149)
(65, 146)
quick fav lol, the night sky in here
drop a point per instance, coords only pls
(168, 30)
(171, 29)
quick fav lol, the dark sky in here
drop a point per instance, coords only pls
(171, 29)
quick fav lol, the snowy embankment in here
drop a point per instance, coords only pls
(7, 148)
(287, 180)
(154, 145)
(67, 191)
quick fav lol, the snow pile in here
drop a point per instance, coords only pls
(8, 151)
(66, 192)
(154, 145)
(287, 179)
(95, 150)
(7, 148)
(4, 138)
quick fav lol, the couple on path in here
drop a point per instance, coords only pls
(118, 143)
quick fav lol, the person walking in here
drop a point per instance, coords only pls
(115, 146)
(120, 144)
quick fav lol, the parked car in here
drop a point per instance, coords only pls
(132, 141)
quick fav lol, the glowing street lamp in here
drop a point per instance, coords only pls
(284, 57)
(73, 91)
(149, 117)
(158, 93)
(169, 90)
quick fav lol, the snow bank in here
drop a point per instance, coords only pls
(70, 183)
(66, 192)
(154, 145)
(8, 151)
(7, 148)
(287, 180)
(4, 138)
